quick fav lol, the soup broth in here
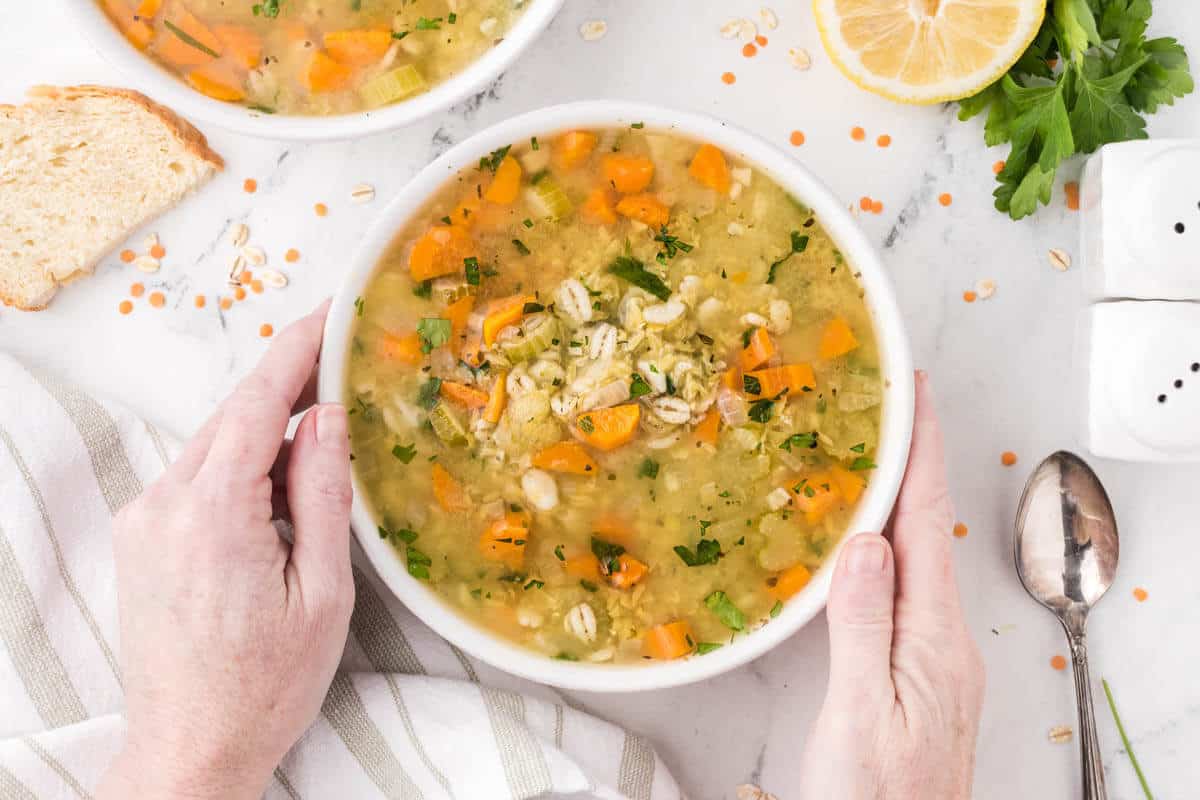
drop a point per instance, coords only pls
(313, 56)
(614, 395)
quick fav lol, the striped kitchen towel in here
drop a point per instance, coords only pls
(408, 715)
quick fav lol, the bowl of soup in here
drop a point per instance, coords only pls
(621, 382)
(313, 69)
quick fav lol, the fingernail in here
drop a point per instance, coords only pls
(868, 556)
(331, 424)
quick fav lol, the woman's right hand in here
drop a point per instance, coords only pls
(901, 714)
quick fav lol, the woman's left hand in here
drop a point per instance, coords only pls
(230, 635)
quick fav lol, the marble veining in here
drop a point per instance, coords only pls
(1003, 368)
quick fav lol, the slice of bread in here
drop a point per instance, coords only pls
(80, 168)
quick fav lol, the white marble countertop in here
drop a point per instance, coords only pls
(1001, 366)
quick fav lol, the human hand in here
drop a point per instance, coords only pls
(901, 713)
(229, 635)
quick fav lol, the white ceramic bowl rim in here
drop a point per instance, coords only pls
(164, 87)
(896, 366)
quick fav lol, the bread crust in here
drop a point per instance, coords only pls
(192, 140)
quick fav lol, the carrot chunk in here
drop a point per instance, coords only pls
(506, 185)
(504, 540)
(628, 174)
(796, 378)
(450, 494)
(817, 496)
(173, 48)
(572, 148)
(645, 208)
(497, 400)
(787, 583)
(149, 8)
(612, 527)
(217, 83)
(405, 349)
(463, 395)
(458, 313)
(131, 24)
(585, 567)
(628, 573)
(243, 44)
(325, 74)
(708, 428)
(441, 250)
(502, 313)
(597, 209)
(665, 642)
(837, 339)
(358, 48)
(609, 428)
(758, 350)
(850, 484)
(710, 169)
(570, 457)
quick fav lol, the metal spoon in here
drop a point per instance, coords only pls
(1066, 553)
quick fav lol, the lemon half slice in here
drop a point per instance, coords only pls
(926, 51)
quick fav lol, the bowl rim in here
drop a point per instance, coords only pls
(163, 86)
(895, 430)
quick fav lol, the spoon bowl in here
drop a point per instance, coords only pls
(1066, 550)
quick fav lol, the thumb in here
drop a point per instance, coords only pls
(860, 620)
(318, 493)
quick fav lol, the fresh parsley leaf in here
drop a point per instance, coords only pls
(862, 463)
(427, 395)
(359, 305)
(492, 161)
(648, 469)
(775, 609)
(405, 453)
(707, 551)
(534, 583)
(607, 553)
(471, 265)
(434, 333)
(426, 24)
(707, 647)
(761, 410)
(521, 247)
(751, 384)
(861, 447)
(398, 35)
(638, 386)
(724, 609)
(424, 290)
(418, 563)
(800, 440)
(799, 243)
(586, 425)
(672, 245)
(565, 656)
(558, 553)
(588, 585)
(630, 269)
(267, 8)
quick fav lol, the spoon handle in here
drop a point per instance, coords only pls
(1089, 745)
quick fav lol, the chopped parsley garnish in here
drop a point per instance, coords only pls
(638, 386)
(630, 269)
(471, 265)
(398, 35)
(521, 247)
(533, 144)
(565, 656)
(452, 18)
(405, 453)
(424, 290)
(492, 161)
(775, 609)
(426, 24)
(558, 552)
(403, 534)
(418, 563)
(648, 469)
(799, 440)
(761, 410)
(427, 395)
(434, 333)
(799, 245)
(707, 647)
(672, 245)
(608, 553)
(751, 384)
(861, 447)
(358, 306)
(534, 583)
(527, 222)
(591, 587)
(729, 614)
(707, 552)
(746, 336)
(586, 425)
(862, 463)
(267, 8)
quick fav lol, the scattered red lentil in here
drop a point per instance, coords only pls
(157, 299)
(292, 256)
(857, 133)
(200, 301)
(728, 78)
(998, 167)
(245, 277)
(125, 306)
(876, 206)
(749, 51)
(864, 203)
(762, 40)
(158, 251)
(960, 530)
(321, 209)
(1059, 663)
(226, 303)
(128, 255)
(797, 138)
(137, 290)
(256, 286)
(1008, 458)
(250, 185)
(1072, 191)
(884, 140)
(945, 198)
(1140, 594)
(239, 292)
(265, 330)
(969, 296)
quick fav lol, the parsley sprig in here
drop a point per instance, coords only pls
(1107, 76)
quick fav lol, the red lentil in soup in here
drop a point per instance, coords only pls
(615, 395)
